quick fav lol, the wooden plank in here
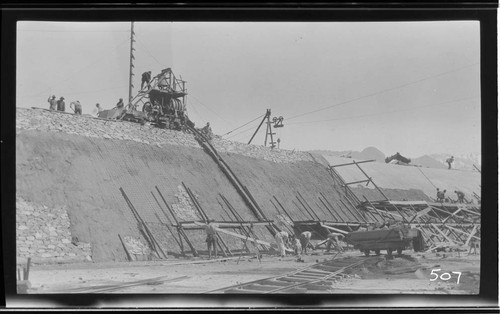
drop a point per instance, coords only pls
(473, 232)
(461, 231)
(350, 164)
(242, 237)
(179, 227)
(159, 280)
(148, 236)
(28, 266)
(444, 235)
(334, 229)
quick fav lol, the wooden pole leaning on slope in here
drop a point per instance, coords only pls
(166, 225)
(205, 218)
(245, 244)
(288, 228)
(240, 188)
(180, 230)
(150, 238)
(240, 230)
(179, 241)
(332, 207)
(307, 208)
(244, 230)
(129, 257)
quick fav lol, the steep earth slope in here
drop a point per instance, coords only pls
(80, 163)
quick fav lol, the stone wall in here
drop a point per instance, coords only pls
(137, 249)
(184, 208)
(43, 234)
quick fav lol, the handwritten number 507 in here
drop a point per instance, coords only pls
(445, 276)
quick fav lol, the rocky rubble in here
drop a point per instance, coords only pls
(53, 121)
(184, 208)
(42, 233)
(136, 247)
(259, 152)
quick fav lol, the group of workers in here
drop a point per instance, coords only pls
(441, 196)
(76, 106)
(60, 105)
(299, 243)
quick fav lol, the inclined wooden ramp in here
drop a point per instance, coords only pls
(318, 278)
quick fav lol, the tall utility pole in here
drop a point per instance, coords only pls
(132, 58)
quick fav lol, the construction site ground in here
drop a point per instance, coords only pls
(406, 274)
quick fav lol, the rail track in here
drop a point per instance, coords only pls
(317, 278)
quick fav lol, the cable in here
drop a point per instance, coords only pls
(426, 177)
(252, 128)
(242, 125)
(383, 91)
(387, 112)
(147, 50)
(197, 100)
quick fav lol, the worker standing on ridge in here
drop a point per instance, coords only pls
(146, 78)
(99, 108)
(440, 195)
(305, 238)
(76, 107)
(449, 161)
(53, 102)
(61, 106)
(460, 196)
(211, 240)
(207, 131)
(333, 239)
(281, 238)
(120, 103)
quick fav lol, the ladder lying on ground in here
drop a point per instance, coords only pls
(317, 278)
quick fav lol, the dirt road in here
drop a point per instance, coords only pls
(409, 275)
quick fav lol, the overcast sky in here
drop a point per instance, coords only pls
(408, 87)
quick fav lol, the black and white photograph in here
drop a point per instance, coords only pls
(248, 157)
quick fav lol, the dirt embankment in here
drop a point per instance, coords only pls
(83, 171)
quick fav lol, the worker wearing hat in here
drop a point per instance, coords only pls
(61, 106)
(76, 106)
(120, 103)
(53, 102)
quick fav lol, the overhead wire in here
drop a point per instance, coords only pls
(147, 50)
(386, 112)
(190, 95)
(199, 101)
(383, 91)
(244, 131)
(242, 125)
